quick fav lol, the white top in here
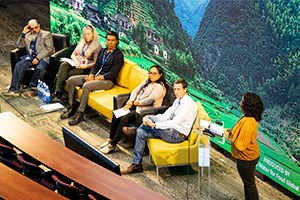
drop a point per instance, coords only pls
(180, 116)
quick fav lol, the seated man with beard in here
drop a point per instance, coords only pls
(39, 47)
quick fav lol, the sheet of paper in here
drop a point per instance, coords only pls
(68, 60)
(215, 128)
(95, 91)
(120, 112)
(204, 157)
(52, 106)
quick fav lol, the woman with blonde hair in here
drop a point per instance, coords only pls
(84, 57)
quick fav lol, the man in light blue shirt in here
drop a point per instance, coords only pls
(172, 126)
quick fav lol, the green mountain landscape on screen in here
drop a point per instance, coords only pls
(238, 46)
(255, 46)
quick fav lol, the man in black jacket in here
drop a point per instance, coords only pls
(102, 76)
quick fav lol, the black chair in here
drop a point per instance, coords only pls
(34, 172)
(61, 43)
(120, 100)
(3, 141)
(55, 63)
(67, 190)
(8, 156)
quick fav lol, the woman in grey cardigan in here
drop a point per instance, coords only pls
(148, 94)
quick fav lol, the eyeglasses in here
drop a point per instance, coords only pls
(152, 73)
(33, 28)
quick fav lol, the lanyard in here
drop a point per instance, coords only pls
(143, 90)
(32, 46)
(141, 93)
(104, 60)
(84, 50)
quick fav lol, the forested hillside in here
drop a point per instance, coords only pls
(162, 18)
(255, 45)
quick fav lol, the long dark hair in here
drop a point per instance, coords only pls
(252, 106)
(162, 79)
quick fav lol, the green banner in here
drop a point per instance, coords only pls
(280, 173)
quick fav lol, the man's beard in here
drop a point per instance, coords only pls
(32, 36)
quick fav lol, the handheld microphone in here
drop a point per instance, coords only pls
(207, 130)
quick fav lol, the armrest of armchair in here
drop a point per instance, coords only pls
(65, 52)
(120, 100)
(55, 63)
(139, 115)
(15, 55)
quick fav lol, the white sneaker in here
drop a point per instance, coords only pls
(104, 144)
(107, 150)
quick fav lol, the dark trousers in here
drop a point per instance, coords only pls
(65, 71)
(117, 125)
(246, 170)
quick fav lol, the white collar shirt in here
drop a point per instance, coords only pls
(180, 116)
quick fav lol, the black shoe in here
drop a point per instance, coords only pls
(69, 113)
(78, 118)
(58, 94)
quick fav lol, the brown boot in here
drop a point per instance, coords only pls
(69, 113)
(130, 131)
(78, 118)
(133, 168)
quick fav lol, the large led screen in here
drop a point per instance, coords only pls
(223, 49)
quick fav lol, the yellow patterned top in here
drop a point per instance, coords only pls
(244, 137)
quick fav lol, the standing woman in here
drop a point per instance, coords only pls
(243, 139)
(84, 57)
(148, 94)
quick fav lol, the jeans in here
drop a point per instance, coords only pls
(246, 170)
(20, 70)
(145, 132)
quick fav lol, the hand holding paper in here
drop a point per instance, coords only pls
(68, 60)
(120, 112)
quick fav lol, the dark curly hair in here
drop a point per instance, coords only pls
(252, 106)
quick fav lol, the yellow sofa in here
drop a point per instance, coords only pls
(166, 154)
(128, 79)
